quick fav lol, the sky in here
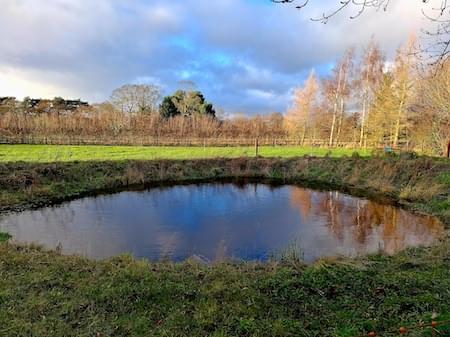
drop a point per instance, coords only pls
(247, 56)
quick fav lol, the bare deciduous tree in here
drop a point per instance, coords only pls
(404, 75)
(300, 116)
(136, 98)
(437, 47)
(337, 88)
(371, 74)
(432, 109)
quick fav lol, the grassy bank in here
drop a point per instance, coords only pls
(62, 153)
(422, 183)
(46, 294)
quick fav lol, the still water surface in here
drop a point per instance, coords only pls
(221, 221)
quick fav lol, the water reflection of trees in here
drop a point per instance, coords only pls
(364, 220)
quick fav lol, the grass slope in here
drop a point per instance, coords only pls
(58, 153)
(46, 294)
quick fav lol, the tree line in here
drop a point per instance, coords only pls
(371, 102)
(365, 101)
(134, 111)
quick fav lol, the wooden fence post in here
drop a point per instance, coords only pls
(256, 147)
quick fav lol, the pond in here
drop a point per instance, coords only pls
(219, 221)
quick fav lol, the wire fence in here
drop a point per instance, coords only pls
(178, 141)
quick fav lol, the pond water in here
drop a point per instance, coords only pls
(221, 221)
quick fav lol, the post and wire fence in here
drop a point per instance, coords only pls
(151, 140)
(256, 142)
(167, 141)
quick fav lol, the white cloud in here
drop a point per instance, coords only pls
(20, 84)
(261, 94)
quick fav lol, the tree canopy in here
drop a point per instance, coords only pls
(186, 103)
(136, 98)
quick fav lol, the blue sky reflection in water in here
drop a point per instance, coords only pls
(217, 221)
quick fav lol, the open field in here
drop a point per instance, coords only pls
(46, 294)
(57, 153)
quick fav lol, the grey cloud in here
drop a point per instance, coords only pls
(89, 47)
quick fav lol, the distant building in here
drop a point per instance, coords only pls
(63, 105)
(37, 105)
(7, 100)
(73, 105)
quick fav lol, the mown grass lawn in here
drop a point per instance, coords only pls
(64, 153)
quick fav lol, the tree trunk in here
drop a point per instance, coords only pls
(399, 117)
(341, 117)
(330, 143)
(363, 123)
(335, 107)
(303, 135)
(396, 133)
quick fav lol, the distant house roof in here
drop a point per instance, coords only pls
(70, 105)
(4, 100)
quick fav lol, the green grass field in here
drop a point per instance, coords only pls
(63, 153)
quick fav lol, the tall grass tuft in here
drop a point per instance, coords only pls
(4, 237)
